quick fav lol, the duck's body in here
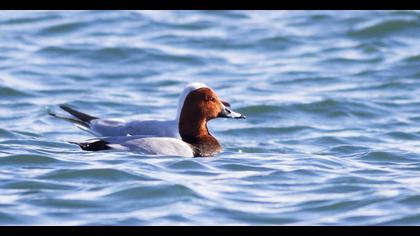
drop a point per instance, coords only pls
(199, 105)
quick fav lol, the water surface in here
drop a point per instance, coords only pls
(332, 100)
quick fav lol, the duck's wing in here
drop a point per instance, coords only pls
(157, 128)
(109, 127)
(94, 125)
(117, 127)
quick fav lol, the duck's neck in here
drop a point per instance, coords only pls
(195, 132)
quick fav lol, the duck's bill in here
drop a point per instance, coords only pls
(228, 113)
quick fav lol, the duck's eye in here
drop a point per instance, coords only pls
(209, 98)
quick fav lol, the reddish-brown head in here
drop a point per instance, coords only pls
(203, 103)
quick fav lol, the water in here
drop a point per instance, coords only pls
(332, 100)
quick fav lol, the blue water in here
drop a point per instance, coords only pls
(332, 99)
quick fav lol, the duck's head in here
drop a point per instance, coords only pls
(200, 101)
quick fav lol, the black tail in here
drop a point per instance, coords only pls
(94, 146)
(79, 115)
(73, 120)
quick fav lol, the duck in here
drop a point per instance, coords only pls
(100, 127)
(200, 106)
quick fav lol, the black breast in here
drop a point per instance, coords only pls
(205, 146)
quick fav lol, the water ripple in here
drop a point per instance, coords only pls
(331, 135)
